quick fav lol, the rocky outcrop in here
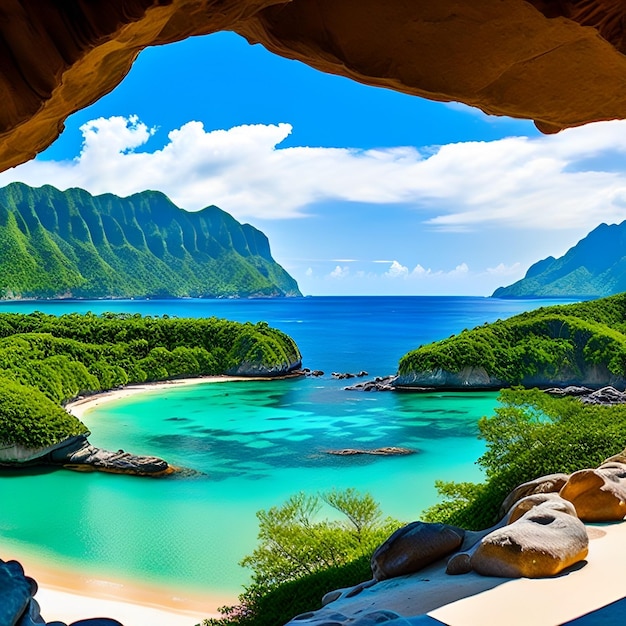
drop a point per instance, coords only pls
(561, 64)
(593, 376)
(387, 451)
(542, 534)
(261, 370)
(466, 378)
(78, 454)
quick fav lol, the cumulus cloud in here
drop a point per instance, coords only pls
(558, 181)
(504, 270)
(397, 270)
(340, 272)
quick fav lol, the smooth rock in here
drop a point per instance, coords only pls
(413, 547)
(16, 591)
(552, 483)
(521, 507)
(598, 495)
(543, 542)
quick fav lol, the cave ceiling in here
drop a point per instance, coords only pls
(560, 63)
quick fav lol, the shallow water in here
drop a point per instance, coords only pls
(254, 444)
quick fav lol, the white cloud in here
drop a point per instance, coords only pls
(340, 272)
(551, 182)
(309, 272)
(397, 270)
(504, 270)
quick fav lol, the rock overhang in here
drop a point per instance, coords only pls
(560, 64)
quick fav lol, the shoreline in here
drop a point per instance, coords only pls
(82, 404)
(66, 595)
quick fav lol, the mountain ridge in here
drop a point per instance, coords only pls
(71, 244)
(593, 268)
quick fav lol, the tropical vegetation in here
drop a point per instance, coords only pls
(554, 343)
(532, 434)
(300, 557)
(47, 360)
(57, 244)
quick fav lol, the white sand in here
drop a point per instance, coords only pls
(80, 406)
(474, 600)
(68, 607)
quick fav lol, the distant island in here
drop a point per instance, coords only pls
(595, 267)
(70, 244)
(556, 346)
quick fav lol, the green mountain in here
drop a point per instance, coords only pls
(594, 267)
(57, 244)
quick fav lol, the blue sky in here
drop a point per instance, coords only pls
(361, 190)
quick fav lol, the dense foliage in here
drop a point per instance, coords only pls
(28, 418)
(551, 342)
(300, 558)
(60, 357)
(59, 244)
(531, 434)
(594, 267)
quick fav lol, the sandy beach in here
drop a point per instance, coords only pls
(83, 404)
(67, 596)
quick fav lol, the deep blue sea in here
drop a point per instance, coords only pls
(254, 443)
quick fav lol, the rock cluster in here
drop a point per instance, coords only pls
(305, 371)
(386, 451)
(541, 534)
(380, 383)
(343, 375)
(606, 396)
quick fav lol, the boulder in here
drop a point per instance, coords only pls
(413, 547)
(552, 483)
(599, 495)
(543, 542)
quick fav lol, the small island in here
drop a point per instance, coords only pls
(46, 361)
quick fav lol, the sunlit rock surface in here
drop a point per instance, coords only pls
(561, 64)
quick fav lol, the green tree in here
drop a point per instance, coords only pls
(295, 546)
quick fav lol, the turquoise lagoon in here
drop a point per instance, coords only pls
(253, 443)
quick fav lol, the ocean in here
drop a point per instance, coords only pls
(253, 444)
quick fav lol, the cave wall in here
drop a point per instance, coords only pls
(560, 63)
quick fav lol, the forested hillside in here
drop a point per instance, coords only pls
(46, 360)
(71, 244)
(581, 343)
(594, 267)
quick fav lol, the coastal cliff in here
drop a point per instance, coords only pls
(579, 344)
(70, 244)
